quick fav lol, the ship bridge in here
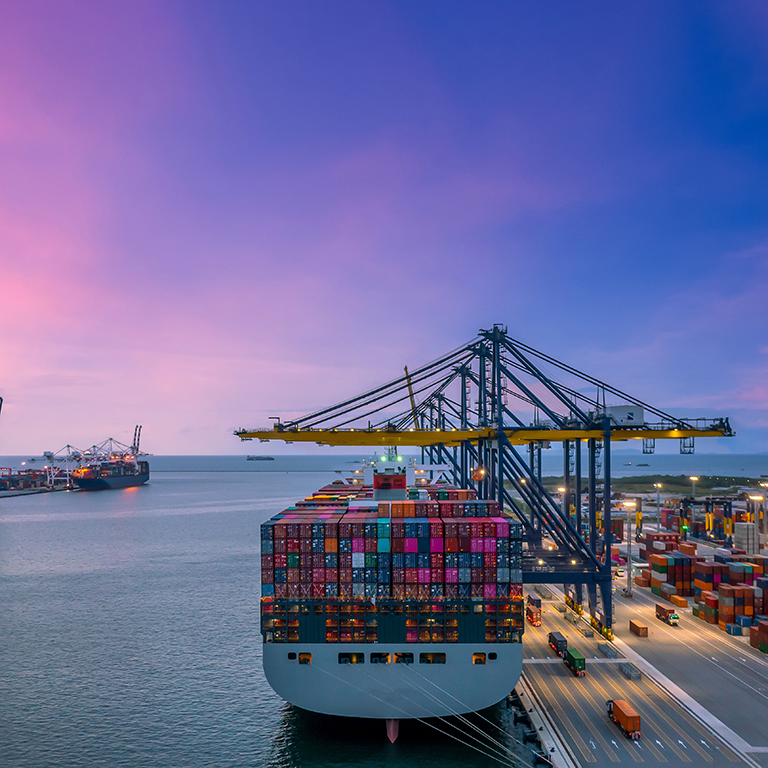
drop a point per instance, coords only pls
(487, 410)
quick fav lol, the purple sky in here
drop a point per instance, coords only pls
(215, 212)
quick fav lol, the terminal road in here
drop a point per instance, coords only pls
(670, 735)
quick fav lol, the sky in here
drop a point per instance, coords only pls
(216, 212)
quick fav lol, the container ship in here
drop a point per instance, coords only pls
(111, 465)
(114, 472)
(387, 598)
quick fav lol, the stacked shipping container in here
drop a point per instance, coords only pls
(331, 549)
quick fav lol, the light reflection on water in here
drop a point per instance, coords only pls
(129, 635)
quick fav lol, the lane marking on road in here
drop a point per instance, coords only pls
(705, 743)
(580, 711)
(660, 744)
(649, 722)
(682, 743)
(536, 681)
(735, 748)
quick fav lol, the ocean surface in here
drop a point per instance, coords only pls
(129, 631)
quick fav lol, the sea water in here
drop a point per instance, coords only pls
(129, 631)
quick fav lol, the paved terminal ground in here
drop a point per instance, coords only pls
(711, 707)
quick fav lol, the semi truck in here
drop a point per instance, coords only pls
(575, 661)
(667, 614)
(533, 614)
(625, 717)
(534, 600)
(558, 643)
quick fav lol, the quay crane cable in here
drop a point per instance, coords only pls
(418, 719)
(469, 722)
(427, 402)
(495, 745)
(388, 404)
(363, 401)
(482, 717)
(595, 382)
(329, 411)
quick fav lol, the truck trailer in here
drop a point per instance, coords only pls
(625, 717)
(575, 662)
(558, 643)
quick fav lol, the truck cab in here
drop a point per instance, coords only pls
(667, 614)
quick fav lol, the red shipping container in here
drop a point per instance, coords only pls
(331, 575)
(398, 545)
(489, 559)
(318, 590)
(281, 561)
(436, 575)
(451, 544)
(345, 575)
(452, 575)
(371, 545)
(476, 575)
(465, 545)
(411, 575)
(292, 546)
(267, 576)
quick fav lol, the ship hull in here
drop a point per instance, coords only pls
(107, 483)
(393, 691)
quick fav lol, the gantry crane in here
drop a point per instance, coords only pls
(463, 418)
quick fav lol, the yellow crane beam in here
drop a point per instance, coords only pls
(420, 437)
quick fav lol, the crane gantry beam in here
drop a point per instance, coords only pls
(457, 410)
(419, 438)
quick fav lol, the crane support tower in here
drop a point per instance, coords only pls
(457, 410)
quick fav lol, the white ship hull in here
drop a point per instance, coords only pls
(393, 691)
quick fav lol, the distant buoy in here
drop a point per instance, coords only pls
(393, 726)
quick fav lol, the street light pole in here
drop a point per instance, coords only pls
(693, 479)
(629, 505)
(657, 486)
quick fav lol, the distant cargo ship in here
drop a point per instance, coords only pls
(260, 458)
(123, 472)
(111, 465)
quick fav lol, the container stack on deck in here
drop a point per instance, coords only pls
(331, 548)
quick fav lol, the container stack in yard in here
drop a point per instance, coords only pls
(657, 543)
(733, 607)
(671, 574)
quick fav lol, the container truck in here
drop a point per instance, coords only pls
(575, 662)
(533, 614)
(533, 600)
(558, 643)
(667, 614)
(625, 717)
